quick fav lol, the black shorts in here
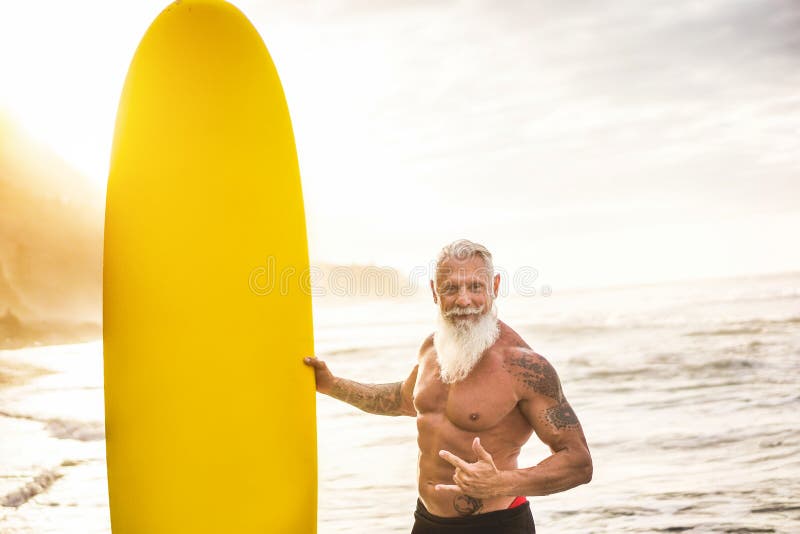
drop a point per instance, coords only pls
(517, 520)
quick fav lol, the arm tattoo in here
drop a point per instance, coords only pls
(466, 505)
(537, 374)
(562, 416)
(381, 399)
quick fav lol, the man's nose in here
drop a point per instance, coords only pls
(463, 299)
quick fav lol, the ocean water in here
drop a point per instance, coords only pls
(689, 395)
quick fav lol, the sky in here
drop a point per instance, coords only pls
(598, 142)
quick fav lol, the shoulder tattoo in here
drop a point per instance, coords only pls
(536, 373)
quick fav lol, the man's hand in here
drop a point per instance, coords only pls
(480, 480)
(323, 376)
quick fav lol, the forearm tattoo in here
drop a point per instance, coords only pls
(380, 399)
(466, 505)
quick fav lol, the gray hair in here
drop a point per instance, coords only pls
(462, 249)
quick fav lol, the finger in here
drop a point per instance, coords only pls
(453, 460)
(458, 478)
(447, 487)
(480, 451)
(313, 361)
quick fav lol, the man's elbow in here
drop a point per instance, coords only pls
(586, 470)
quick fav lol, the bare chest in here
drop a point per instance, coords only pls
(478, 403)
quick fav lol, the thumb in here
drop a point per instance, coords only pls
(313, 361)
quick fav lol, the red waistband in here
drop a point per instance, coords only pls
(519, 501)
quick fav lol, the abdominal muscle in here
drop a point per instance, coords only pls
(439, 434)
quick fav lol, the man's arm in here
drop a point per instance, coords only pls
(380, 399)
(543, 404)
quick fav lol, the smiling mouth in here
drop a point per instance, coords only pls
(463, 316)
(464, 312)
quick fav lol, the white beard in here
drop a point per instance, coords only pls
(460, 343)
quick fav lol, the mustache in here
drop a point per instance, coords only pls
(464, 311)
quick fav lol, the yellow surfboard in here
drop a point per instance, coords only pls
(210, 412)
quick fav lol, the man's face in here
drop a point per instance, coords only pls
(463, 290)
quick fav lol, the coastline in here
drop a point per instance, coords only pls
(20, 333)
(43, 404)
(18, 373)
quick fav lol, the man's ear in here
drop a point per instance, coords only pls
(496, 285)
(433, 291)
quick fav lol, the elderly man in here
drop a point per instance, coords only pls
(478, 393)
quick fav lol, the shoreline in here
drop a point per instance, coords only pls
(18, 334)
(17, 373)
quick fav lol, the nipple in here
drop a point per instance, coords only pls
(473, 416)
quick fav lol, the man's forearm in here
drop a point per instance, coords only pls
(562, 471)
(380, 399)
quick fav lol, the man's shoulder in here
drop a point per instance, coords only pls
(532, 371)
(515, 356)
(427, 344)
(511, 347)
